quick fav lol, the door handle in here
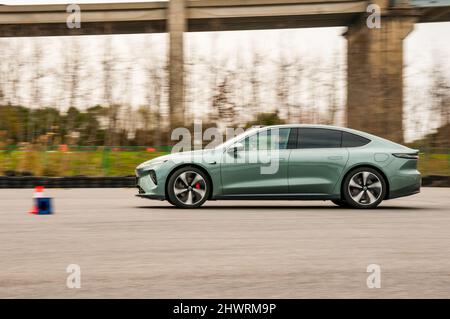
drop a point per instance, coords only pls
(274, 158)
(279, 159)
(335, 157)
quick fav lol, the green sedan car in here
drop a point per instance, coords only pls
(286, 162)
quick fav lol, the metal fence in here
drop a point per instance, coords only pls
(434, 161)
(66, 160)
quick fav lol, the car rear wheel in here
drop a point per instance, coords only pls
(364, 187)
(188, 187)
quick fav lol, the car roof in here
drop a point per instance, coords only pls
(329, 127)
(339, 128)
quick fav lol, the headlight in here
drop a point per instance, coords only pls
(143, 168)
(156, 163)
(150, 164)
(153, 176)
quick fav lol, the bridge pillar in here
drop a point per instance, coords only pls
(176, 25)
(375, 76)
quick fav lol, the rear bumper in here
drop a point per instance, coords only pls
(404, 192)
(411, 189)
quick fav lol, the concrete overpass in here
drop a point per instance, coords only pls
(375, 56)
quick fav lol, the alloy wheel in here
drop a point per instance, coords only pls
(365, 188)
(189, 188)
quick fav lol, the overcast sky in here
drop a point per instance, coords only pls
(425, 41)
(421, 45)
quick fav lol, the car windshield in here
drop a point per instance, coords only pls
(237, 138)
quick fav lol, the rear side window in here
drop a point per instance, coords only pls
(318, 138)
(353, 140)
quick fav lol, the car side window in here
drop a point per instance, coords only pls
(292, 142)
(318, 138)
(268, 140)
(353, 140)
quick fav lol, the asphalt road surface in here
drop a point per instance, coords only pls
(132, 247)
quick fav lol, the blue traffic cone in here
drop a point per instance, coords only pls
(41, 205)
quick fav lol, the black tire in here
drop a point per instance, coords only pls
(371, 196)
(196, 199)
(169, 200)
(340, 203)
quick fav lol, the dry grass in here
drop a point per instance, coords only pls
(122, 163)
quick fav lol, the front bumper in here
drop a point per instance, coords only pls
(147, 188)
(151, 196)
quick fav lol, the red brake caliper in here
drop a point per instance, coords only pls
(197, 185)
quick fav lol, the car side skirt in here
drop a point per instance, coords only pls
(289, 196)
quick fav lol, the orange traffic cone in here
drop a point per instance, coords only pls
(38, 192)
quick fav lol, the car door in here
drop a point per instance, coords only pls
(260, 167)
(317, 162)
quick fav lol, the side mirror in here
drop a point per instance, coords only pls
(235, 148)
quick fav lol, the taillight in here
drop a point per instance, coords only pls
(413, 156)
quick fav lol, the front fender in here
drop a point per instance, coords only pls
(212, 169)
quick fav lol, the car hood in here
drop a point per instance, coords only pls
(188, 156)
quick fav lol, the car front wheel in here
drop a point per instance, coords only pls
(188, 187)
(340, 203)
(364, 187)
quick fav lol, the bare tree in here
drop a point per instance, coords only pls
(332, 88)
(3, 70)
(283, 85)
(297, 82)
(154, 84)
(439, 92)
(222, 102)
(71, 74)
(73, 71)
(440, 103)
(255, 82)
(15, 72)
(125, 111)
(35, 85)
(108, 71)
